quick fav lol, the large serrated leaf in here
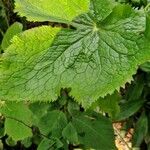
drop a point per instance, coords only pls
(51, 10)
(97, 57)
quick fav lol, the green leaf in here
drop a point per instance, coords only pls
(53, 123)
(10, 142)
(94, 131)
(36, 139)
(17, 130)
(1, 145)
(96, 58)
(109, 104)
(55, 10)
(13, 30)
(73, 108)
(135, 90)
(141, 130)
(18, 111)
(31, 38)
(18, 120)
(129, 108)
(58, 144)
(145, 67)
(39, 110)
(46, 144)
(27, 142)
(70, 133)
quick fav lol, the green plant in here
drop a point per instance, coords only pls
(78, 66)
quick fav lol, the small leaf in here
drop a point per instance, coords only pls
(13, 30)
(36, 139)
(141, 130)
(46, 144)
(11, 142)
(70, 133)
(94, 131)
(27, 142)
(17, 130)
(135, 90)
(50, 144)
(109, 104)
(17, 111)
(39, 110)
(58, 144)
(18, 120)
(129, 108)
(73, 108)
(53, 122)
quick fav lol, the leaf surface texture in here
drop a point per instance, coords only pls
(98, 56)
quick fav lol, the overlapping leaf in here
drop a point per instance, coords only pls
(53, 122)
(13, 30)
(94, 131)
(97, 57)
(18, 120)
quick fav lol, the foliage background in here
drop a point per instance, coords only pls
(130, 107)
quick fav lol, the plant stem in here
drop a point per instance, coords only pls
(122, 139)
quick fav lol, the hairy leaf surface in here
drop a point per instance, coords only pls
(51, 10)
(97, 57)
(13, 30)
